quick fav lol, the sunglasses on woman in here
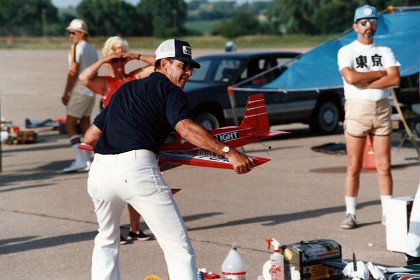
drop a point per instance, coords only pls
(118, 59)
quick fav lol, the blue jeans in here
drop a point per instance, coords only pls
(134, 177)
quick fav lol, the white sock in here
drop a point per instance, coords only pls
(78, 154)
(75, 139)
(351, 203)
(384, 199)
(87, 155)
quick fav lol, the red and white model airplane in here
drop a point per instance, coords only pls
(254, 127)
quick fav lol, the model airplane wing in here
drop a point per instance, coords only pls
(179, 158)
(83, 146)
(254, 127)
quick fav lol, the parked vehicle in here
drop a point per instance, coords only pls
(211, 107)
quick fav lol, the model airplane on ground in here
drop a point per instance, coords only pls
(254, 127)
(409, 272)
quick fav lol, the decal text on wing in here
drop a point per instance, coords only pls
(227, 136)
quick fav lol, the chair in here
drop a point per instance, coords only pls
(409, 126)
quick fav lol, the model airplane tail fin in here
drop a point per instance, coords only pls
(256, 114)
(254, 126)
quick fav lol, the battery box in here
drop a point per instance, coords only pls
(303, 260)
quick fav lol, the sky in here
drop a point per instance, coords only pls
(66, 3)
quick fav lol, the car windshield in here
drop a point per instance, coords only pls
(215, 69)
(232, 70)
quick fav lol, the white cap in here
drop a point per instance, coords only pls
(78, 25)
(177, 49)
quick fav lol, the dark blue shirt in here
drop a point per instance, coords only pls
(141, 115)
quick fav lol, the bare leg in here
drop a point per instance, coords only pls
(382, 148)
(71, 125)
(84, 123)
(83, 158)
(354, 147)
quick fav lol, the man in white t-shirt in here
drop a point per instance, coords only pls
(77, 98)
(369, 71)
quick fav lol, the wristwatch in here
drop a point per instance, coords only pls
(225, 150)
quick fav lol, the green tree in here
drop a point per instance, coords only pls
(109, 17)
(202, 10)
(162, 18)
(242, 23)
(296, 17)
(323, 16)
(332, 16)
(28, 18)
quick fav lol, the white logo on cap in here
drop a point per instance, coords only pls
(367, 12)
(186, 50)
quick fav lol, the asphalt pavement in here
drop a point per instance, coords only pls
(47, 223)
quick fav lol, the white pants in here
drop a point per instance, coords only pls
(413, 238)
(134, 177)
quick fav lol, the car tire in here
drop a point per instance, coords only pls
(208, 121)
(325, 118)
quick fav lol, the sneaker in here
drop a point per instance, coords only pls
(123, 241)
(141, 236)
(349, 222)
(76, 166)
(412, 260)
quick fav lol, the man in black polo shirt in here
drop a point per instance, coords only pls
(127, 137)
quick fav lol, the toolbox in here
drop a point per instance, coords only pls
(304, 260)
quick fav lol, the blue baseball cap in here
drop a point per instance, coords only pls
(365, 11)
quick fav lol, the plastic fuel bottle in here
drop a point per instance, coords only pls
(277, 260)
(234, 267)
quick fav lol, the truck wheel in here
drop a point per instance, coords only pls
(208, 121)
(325, 118)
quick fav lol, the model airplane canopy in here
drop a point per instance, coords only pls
(318, 69)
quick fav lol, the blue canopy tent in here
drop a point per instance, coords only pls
(318, 69)
(313, 83)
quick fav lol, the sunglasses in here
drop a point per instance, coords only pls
(186, 67)
(373, 21)
(71, 33)
(118, 59)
